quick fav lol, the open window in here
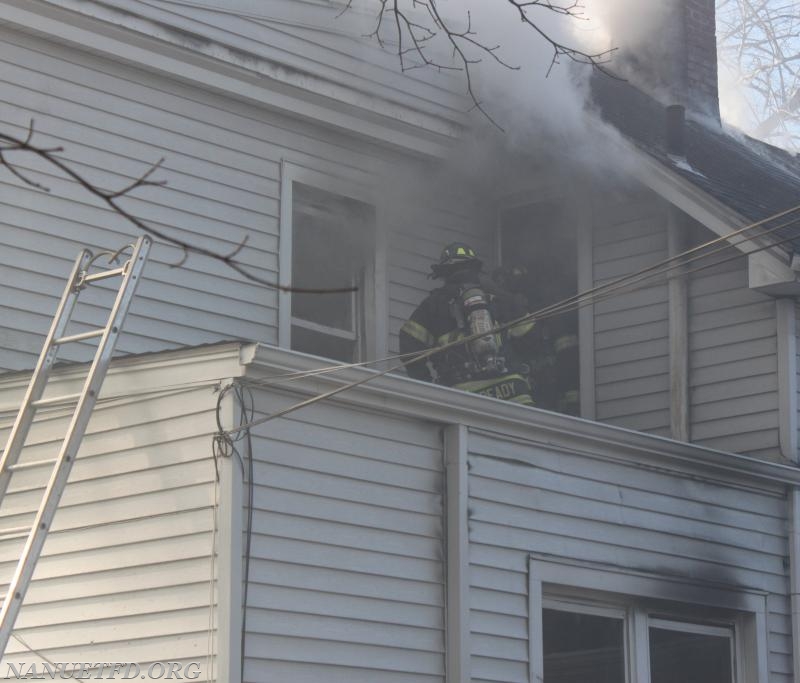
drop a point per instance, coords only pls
(608, 625)
(328, 242)
(539, 241)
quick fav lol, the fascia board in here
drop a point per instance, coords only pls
(769, 269)
(401, 395)
(264, 83)
(155, 372)
(208, 365)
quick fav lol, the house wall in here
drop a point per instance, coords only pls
(732, 335)
(631, 329)
(530, 497)
(127, 572)
(222, 163)
(733, 365)
(222, 160)
(538, 485)
(319, 46)
(348, 553)
(347, 569)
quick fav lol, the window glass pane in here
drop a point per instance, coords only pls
(332, 244)
(582, 648)
(679, 657)
(321, 344)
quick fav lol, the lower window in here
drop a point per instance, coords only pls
(693, 653)
(580, 646)
(607, 625)
(583, 647)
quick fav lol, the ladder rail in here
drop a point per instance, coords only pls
(71, 443)
(22, 424)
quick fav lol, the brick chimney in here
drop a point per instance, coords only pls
(677, 64)
(700, 41)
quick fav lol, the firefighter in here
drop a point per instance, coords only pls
(467, 303)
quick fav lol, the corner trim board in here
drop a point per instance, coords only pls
(229, 557)
(787, 377)
(457, 497)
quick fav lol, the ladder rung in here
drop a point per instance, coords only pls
(14, 532)
(80, 337)
(103, 275)
(28, 465)
(65, 398)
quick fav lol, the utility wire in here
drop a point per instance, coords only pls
(621, 285)
(560, 307)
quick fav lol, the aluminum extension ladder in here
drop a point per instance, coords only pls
(84, 401)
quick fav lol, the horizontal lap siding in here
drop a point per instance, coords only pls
(222, 167)
(631, 329)
(311, 38)
(114, 121)
(525, 499)
(125, 572)
(733, 373)
(346, 575)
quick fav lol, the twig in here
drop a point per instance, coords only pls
(10, 143)
(413, 38)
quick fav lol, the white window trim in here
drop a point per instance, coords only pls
(751, 635)
(376, 298)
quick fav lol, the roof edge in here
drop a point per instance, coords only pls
(769, 268)
(403, 396)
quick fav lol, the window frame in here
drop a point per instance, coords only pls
(374, 300)
(579, 212)
(556, 583)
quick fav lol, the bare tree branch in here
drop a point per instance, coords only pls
(416, 23)
(10, 143)
(759, 40)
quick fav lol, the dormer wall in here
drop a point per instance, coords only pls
(724, 377)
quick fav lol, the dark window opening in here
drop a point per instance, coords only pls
(539, 241)
(681, 657)
(332, 248)
(582, 648)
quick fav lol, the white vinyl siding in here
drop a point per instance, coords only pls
(221, 164)
(126, 572)
(733, 367)
(346, 575)
(315, 39)
(631, 330)
(114, 122)
(528, 498)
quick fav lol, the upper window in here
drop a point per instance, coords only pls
(539, 241)
(328, 242)
(331, 249)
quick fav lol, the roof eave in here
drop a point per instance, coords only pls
(769, 266)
